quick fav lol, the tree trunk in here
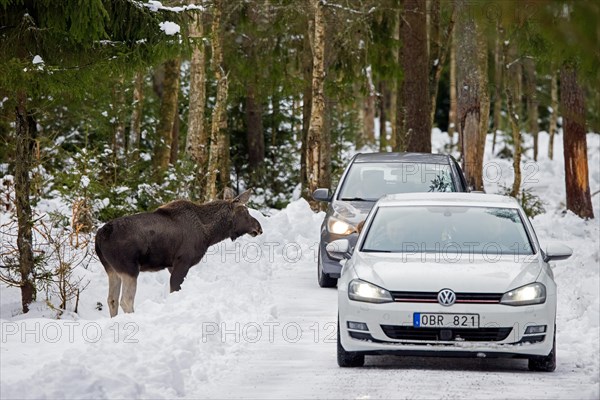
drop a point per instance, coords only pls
(516, 134)
(553, 115)
(572, 104)
(498, 73)
(275, 116)
(482, 53)
(368, 132)
(383, 104)
(135, 130)
(196, 146)
(395, 86)
(307, 61)
(469, 97)
(452, 124)
(253, 117)
(316, 127)
(119, 140)
(168, 114)
(26, 130)
(174, 141)
(415, 85)
(254, 129)
(532, 103)
(511, 83)
(400, 137)
(218, 133)
(438, 51)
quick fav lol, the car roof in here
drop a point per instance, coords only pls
(450, 199)
(403, 157)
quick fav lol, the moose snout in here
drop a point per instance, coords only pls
(257, 230)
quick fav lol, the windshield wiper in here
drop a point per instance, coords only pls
(356, 199)
(376, 251)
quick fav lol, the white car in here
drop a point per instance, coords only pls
(448, 274)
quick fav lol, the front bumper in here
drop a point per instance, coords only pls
(385, 320)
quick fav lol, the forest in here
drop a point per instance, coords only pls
(113, 107)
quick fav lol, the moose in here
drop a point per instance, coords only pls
(174, 236)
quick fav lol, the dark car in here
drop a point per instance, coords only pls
(370, 176)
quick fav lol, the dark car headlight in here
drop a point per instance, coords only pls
(340, 227)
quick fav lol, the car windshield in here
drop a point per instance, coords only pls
(447, 229)
(370, 181)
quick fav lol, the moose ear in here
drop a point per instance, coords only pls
(226, 194)
(244, 197)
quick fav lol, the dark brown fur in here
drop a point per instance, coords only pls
(175, 236)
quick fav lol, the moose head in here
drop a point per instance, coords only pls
(243, 222)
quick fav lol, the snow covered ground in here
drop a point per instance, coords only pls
(251, 322)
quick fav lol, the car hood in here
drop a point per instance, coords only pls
(352, 211)
(398, 272)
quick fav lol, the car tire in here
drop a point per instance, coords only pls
(347, 359)
(325, 281)
(545, 363)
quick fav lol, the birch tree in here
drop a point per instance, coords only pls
(218, 131)
(196, 146)
(316, 129)
(552, 128)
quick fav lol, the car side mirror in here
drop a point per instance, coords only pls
(557, 252)
(339, 249)
(321, 194)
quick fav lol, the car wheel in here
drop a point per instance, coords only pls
(546, 363)
(325, 281)
(347, 359)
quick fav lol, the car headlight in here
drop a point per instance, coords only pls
(339, 227)
(534, 293)
(364, 291)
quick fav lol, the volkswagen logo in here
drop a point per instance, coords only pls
(446, 297)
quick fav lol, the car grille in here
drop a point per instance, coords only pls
(431, 297)
(434, 334)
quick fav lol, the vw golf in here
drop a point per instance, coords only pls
(449, 274)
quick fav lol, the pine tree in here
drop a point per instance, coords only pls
(469, 84)
(572, 103)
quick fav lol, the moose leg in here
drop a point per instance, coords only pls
(129, 288)
(178, 274)
(114, 290)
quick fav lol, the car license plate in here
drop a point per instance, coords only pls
(427, 320)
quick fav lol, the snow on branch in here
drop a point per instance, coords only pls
(156, 6)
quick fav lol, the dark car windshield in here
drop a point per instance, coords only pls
(370, 181)
(444, 229)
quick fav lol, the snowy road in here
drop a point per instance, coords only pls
(308, 368)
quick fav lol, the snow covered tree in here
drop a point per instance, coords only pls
(54, 50)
